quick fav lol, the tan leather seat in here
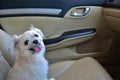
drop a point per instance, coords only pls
(83, 69)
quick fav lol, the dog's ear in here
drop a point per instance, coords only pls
(15, 39)
(37, 30)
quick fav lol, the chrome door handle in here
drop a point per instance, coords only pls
(76, 13)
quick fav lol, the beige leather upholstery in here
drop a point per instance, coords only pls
(83, 69)
(5, 47)
(4, 67)
(112, 18)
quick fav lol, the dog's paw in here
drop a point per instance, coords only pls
(52, 79)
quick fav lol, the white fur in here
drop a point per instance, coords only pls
(37, 30)
(29, 65)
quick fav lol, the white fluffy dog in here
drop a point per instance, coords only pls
(30, 63)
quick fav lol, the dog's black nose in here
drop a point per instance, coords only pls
(35, 42)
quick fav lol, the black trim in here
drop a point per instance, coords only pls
(1, 28)
(65, 5)
(113, 3)
(70, 34)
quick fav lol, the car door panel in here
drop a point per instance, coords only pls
(54, 4)
(57, 17)
(112, 17)
(56, 26)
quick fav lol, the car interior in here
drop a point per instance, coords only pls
(82, 37)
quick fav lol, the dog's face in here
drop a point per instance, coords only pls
(30, 43)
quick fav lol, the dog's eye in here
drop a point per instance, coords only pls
(36, 35)
(26, 42)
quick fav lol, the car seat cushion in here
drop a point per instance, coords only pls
(5, 40)
(4, 67)
(82, 69)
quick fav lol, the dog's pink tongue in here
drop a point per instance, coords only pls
(37, 48)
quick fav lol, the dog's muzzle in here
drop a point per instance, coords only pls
(37, 46)
(35, 42)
